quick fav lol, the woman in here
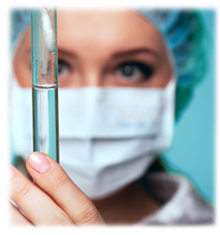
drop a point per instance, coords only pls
(117, 79)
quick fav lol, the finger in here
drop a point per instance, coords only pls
(50, 176)
(36, 204)
(13, 219)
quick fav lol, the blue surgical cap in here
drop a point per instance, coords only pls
(184, 36)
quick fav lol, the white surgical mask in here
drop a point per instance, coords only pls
(109, 137)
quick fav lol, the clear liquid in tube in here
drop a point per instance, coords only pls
(45, 120)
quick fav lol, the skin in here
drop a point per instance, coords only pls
(94, 51)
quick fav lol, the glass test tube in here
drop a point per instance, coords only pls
(45, 81)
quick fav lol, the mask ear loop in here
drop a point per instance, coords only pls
(168, 100)
(170, 89)
(16, 92)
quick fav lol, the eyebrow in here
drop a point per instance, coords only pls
(118, 53)
(66, 52)
(134, 51)
(63, 51)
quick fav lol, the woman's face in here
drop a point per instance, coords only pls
(104, 49)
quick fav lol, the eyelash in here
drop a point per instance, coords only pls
(63, 63)
(145, 69)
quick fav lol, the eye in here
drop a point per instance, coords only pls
(63, 68)
(134, 71)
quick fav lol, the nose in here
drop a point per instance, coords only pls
(90, 79)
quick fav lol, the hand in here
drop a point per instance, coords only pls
(53, 200)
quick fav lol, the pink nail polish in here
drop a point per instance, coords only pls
(8, 173)
(38, 162)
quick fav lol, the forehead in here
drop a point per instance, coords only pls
(107, 28)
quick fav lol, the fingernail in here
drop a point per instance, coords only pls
(38, 162)
(8, 173)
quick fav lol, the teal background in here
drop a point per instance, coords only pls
(195, 152)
